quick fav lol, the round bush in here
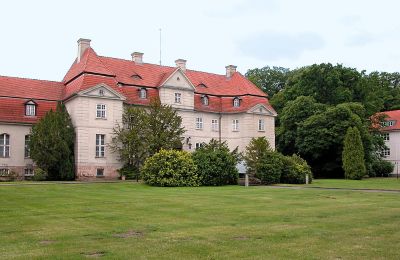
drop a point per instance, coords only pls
(170, 168)
(270, 167)
(381, 168)
(295, 170)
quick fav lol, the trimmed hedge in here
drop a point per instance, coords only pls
(170, 168)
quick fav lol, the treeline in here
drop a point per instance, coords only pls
(317, 104)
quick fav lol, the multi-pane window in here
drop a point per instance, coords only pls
(30, 109)
(199, 123)
(236, 102)
(235, 125)
(143, 93)
(4, 145)
(204, 100)
(99, 172)
(100, 145)
(386, 152)
(261, 125)
(388, 123)
(385, 136)
(214, 125)
(100, 111)
(4, 172)
(28, 172)
(199, 145)
(27, 151)
(178, 97)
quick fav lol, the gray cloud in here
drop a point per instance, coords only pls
(275, 45)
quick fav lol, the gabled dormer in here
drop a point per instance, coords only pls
(30, 108)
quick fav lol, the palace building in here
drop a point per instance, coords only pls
(95, 91)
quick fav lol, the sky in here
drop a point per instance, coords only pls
(39, 38)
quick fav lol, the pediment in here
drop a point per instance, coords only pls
(178, 80)
(262, 110)
(102, 91)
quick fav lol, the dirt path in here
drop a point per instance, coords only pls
(329, 188)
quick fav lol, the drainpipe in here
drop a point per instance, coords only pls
(219, 126)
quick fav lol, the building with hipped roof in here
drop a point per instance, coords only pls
(95, 91)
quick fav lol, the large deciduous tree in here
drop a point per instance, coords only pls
(270, 80)
(52, 144)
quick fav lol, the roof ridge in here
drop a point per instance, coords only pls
(15, 77)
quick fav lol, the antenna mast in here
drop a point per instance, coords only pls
(160, 45)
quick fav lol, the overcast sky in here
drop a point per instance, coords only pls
(38, 38)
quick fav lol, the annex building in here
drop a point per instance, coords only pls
(391, 134)
(95, 91)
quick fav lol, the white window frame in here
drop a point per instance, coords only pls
(235, 125)
(30, 109)
(101, 111)
(143, 93)
(29, 172)
(178, 98)
(205, 101)
(236, 102)
(100, 145)
(386, 136)
(199, 123)
(386, 152)
(198, 145)
(4, 172)
(261, 125)
(5, 146)
(214, 125)
(27, 150)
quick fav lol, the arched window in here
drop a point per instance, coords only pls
(236, 102)
(4, 145)
(30, 108)
(204, 100)
(143, 93)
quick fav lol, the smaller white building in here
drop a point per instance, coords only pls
(391, 135)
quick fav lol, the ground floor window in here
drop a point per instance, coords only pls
(4, 171)
(199, 145)
(28, 172)
(99, 172)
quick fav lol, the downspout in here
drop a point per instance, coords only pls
(220, 120)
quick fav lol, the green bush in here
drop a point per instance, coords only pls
(40, 175)
(130, 172)
(216, 165)
(269, 168)
(295, 170)
(381, 168)
(255, 150)
(170, 168)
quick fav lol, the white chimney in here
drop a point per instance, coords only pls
(83, 45)
(230, 69)
(137, 57)
(181, 63)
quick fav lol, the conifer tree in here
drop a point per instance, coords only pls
(353, 155)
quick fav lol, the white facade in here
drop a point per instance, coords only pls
(392, 154)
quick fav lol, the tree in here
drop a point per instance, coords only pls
(52, 144)
(270, 80)
(353, 155)
(255, 150)
(216, 165)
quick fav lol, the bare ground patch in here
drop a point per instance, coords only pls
(96, 254)
(130, 233)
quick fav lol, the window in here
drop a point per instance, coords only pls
(385, 136)
(4, 172)
(30, 108)
(177, 97)
(214, 125)
(388, 123)
(236, 102)
(199, 145)
(27, 152)
(100, 111)
(204, 100)
(235, 125)
(100, 145)
(28, 172)
(261, 125)
(4, 145)
(101, 92)
(386, 152)
(99, 172)
(143, 93)
(199, 123)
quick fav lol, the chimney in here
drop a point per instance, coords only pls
(181, 63)
(230, 69)
(83, 45)
(137, 57)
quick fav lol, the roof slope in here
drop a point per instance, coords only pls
(393, 115)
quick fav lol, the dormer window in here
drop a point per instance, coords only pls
(143, 93)
(30, 108)
(204, 100)
(236, 102)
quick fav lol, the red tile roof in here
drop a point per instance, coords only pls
(393, 115)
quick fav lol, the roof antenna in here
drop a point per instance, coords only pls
(160, 44)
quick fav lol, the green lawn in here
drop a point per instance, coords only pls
(134, 221)
(369, 183)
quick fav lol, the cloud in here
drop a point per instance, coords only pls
(276, 45)
(359, 39)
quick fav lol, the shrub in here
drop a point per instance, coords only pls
(295, 170)
(381, 168)
(269, 168)
(130, 172)
(255, 150)
(216, 165)
(40, 175)
(353, 155)
(170, 168)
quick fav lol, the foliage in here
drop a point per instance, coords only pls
(295, 170)
(381, 168)
(270, 80)
(353, 155)
(52, 144)
(170, 168)
(216, 165)
(130, 172)
(269, 168)
(40, 175)
(255, 150)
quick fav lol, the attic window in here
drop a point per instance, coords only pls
(202, 85)
(236, 102)
(204, 100)
(30, 108)
(101, 92)
(178, 78)
(136, 76)
(143, 93)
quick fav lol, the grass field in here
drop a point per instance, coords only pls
(369, 183)
(134, 221)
